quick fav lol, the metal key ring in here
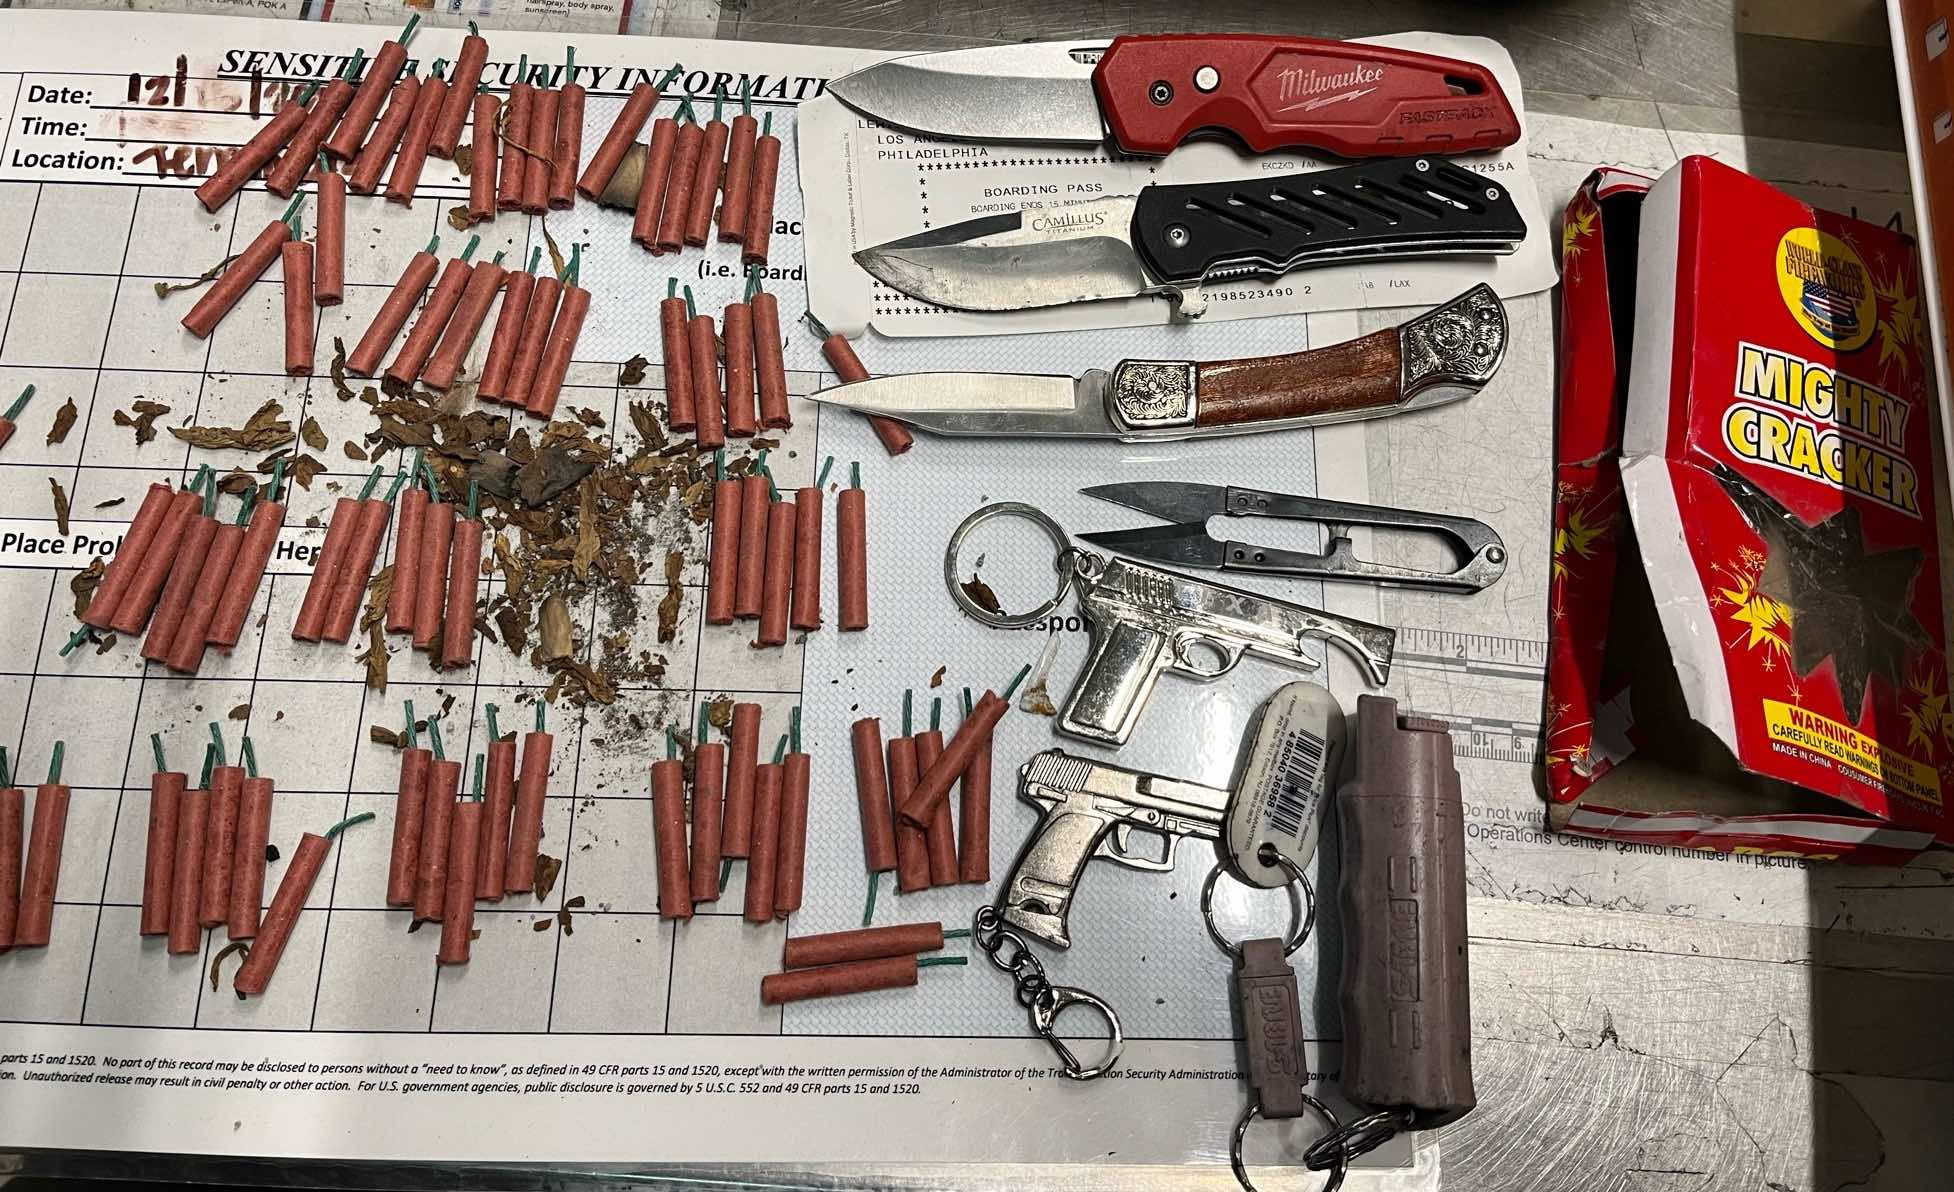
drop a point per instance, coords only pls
(1036, 516)
(1055, 1000)
(1254, 1110)
(1305, 910)
(1360, 1137)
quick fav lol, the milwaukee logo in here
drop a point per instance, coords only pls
(1311, 88)
(1068, 221)
(1401, 944)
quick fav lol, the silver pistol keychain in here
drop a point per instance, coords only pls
(1147, 620)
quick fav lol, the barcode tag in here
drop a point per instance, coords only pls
(1295, 784)
(1285, 783)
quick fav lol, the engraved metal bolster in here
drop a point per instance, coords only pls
(1460, 343)
(1153, 394)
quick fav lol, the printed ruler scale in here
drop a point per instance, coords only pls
(1471, 653)
(1492, 739)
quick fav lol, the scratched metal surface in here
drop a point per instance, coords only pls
(1642, 1023)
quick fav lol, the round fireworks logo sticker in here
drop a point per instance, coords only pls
(1827, 289)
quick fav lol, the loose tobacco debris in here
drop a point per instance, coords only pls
(85, 582)
(263, 431)
(981, 595)
(60, 505)
(165, 288)
(142, 415)
(547, 867)
(64, 421)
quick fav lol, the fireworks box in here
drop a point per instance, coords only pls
(1748, 643)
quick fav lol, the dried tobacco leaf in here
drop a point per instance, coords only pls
(217, 961)
(263, 431)
(60, 505)
(379, 590)
(64, 421)
(464, 159)
(111, 503)
(645, 420)
(634, 370)
(312, 434)
(556, 254)
(719, 712)
(241, 712)
(588, 540)
(142, 415)
(460, 219)
(547, 867)
(299, 469)
(374, 657)
(85, 582)
(549, 473)
(936, 680)
(981, 595)
(236, 483)
(380, 734)
(353, 451)
(674, 590)
(339, 384)
(164, 289)
(595, 687)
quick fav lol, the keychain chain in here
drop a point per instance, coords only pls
(991, 935)
(1043, 1000)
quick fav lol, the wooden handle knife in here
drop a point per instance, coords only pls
(1443, 355)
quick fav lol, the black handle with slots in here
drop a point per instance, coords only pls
(1395, 207)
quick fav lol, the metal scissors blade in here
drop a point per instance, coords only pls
(1186, 541)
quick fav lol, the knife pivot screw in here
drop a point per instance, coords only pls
(1207, 79)
(1177, 236)
(1161, 93)
(1492, 192)
(1421, 165)
(1495, 555)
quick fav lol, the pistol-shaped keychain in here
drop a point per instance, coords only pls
(1089, 809)
(1267, 822)
(1147, 620)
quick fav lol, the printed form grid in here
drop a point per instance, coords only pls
(63, 259)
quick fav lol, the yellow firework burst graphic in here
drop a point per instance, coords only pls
(1765, 620)
(1576, 539)
(1930, 721)
(1901, 329)
(1582, 220)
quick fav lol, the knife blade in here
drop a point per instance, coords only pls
(1174, 239)
(1148, 94)
(1441, 356)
